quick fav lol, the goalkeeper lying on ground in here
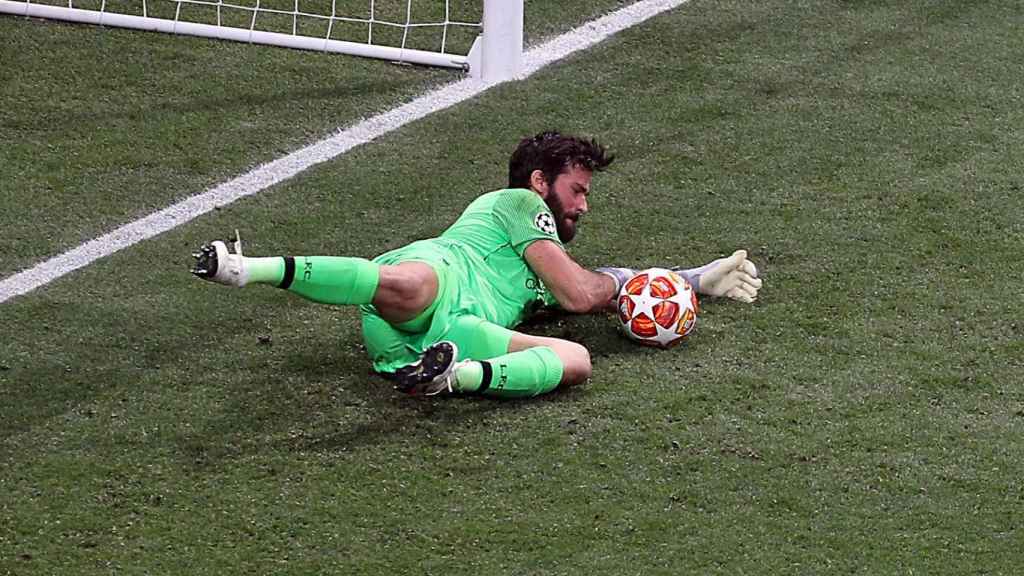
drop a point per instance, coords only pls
(438, 313)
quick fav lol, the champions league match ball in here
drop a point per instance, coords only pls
(658, 308)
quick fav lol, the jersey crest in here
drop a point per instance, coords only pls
(545, 222)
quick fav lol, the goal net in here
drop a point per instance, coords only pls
(483, 37)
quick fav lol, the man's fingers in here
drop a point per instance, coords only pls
(744, 288)
(741, 277)
(752, 281)
(742, 295)
(749, 268)
(734, 261)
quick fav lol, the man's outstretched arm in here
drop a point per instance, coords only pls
(575, 288)
(734, 277)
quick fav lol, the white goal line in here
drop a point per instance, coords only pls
(283, 168)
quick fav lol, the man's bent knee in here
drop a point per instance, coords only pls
(405, 290)
(575, 357)
(576, 367)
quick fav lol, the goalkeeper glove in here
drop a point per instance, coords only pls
(734, 277)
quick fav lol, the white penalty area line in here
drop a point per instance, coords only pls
(283, 168)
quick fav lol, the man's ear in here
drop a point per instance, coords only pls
(538, 183)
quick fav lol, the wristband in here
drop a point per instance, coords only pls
(619, 275)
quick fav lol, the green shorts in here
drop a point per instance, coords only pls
(392, 346)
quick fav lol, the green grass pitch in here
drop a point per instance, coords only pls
(865, 416)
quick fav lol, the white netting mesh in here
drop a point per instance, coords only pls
(442, 26)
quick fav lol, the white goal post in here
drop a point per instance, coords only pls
(486, 40)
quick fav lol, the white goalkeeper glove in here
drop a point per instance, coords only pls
(734, 277)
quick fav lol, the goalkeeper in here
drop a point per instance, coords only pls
(438, 315)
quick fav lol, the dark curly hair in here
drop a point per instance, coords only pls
(552, 153)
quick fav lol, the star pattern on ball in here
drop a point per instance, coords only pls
(657, 308)
(644, 304)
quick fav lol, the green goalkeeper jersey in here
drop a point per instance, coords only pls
(490, 237)
(482, 275)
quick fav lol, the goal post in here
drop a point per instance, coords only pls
(485, 40)
(497, 53)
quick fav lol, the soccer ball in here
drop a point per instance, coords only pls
(657, 307)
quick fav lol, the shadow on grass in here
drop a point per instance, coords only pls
(325, 399)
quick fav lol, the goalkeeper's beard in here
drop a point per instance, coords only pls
(564, 223)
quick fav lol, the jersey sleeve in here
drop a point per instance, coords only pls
(525, 218)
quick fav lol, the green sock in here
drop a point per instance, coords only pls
(517, 375)
(331, 279)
